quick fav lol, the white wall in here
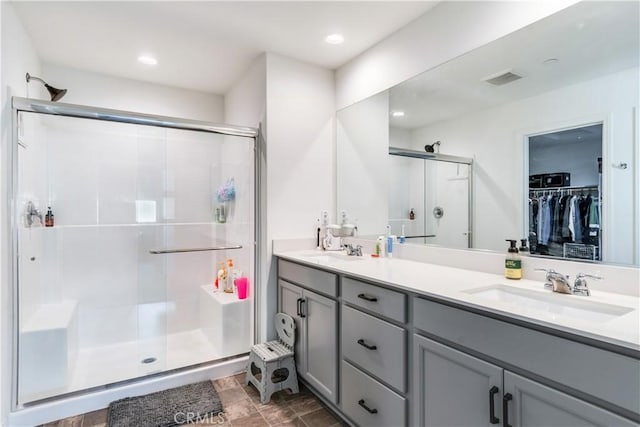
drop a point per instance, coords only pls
(300, 153)
(494, 137)
(99, 90)
(245, 105)
(450, 29)
(245, 102)
(18, 58)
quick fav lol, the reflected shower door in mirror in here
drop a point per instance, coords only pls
(429, 200)
(565, 193)
(562, 72)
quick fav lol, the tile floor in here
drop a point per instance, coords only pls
(242, 408)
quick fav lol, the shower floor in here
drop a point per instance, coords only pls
(122, 361)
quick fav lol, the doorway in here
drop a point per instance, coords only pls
(565, 193)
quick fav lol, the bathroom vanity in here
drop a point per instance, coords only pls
(392, 342)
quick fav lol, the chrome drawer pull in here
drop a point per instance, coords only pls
(367, 346)
(364, 405)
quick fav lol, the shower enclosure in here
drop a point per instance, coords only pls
(123, 285)
(430, 194)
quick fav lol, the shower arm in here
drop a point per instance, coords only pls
(30, 77)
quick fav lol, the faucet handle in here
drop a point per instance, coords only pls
(546, 270)
(580, 286)
(550, 272)
(593, 276)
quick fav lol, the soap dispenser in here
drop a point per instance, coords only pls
(513, 263)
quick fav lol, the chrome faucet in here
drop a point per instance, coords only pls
(580, 286)
(557, 282)
(351, 251)
(560, 283)
(31, 213)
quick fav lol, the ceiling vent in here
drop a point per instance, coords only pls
(502, 78)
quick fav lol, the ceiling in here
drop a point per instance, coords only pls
(589, 40)
(205, 45)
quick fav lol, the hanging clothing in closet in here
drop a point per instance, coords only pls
(556, 218)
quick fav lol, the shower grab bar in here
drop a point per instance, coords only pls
(176, 251)
(419, 237)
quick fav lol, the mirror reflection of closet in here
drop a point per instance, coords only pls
(565, 193)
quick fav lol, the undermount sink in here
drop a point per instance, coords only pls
(331, 256)
(577, 307)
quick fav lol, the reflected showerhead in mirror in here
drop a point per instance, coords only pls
(432, 148)
(55, 93)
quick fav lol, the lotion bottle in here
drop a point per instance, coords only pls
(380, 243)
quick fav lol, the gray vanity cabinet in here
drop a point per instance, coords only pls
(316, 341)
(534, 404)
(453, 388)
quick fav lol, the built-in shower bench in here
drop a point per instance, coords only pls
(48, 342)
(225, 320)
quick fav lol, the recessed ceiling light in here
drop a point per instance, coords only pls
(397, 113)
(334, 39)
(147, 60)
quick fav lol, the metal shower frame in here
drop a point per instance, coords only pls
(104, 114)
(404, 152)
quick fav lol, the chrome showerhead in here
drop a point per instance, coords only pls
(55, 93)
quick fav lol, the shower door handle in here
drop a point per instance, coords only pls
(182, 250)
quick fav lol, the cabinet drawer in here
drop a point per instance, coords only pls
(360, 391)
(579, 366)
(386, 355)
(382, 301)
(317, 280)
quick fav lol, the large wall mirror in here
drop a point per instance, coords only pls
(546, 114)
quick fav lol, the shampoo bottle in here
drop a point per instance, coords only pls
(234, 273)
(48, 219)
(223, 278)
(403, 238)
(513, 263)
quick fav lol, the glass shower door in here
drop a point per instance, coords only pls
(123, 284)
(447, 203)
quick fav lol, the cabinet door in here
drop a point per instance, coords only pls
(321, 356)
(452, 388)
(288, 297)
(533, 404)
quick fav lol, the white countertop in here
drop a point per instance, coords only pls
(450, 284)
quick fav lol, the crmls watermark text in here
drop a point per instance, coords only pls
(196, 417)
